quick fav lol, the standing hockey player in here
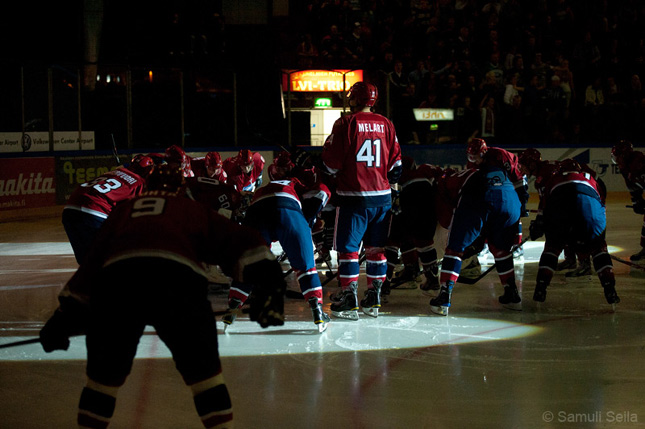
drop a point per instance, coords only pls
(632, 167)
(572, 213)
(284, 211)
(364, 155)
(136, 276)
(91, 203)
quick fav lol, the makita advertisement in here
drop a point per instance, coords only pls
(27, 183)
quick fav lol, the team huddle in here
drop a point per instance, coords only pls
(145, 234)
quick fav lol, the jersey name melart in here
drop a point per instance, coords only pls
(369, 127)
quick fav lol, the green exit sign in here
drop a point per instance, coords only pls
(322, 102)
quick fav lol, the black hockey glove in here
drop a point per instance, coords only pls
(638, 206)
(269, 286)
(396, 202)
(68, 320)
(536, 229)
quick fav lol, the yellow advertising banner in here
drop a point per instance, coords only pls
(321, 80)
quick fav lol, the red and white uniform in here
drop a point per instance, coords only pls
(243, 181)
(198, 166)
(101, 195)
(219, 196)
(361, 149)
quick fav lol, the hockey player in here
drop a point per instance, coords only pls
(416, 222)
(632, 167)
(485, 200)
(364, 155)
(284, 211)
(210, 165)
(531, 164)
(175, 156)
(146, 268)
(572, 213)
(244, 171)
(91, 203)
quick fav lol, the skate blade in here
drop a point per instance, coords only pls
(440, 310)
(515, 306)
(371, 311)
(226, 325)
(347, 314)
(322, 327)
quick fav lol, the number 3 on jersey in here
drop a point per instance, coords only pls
(370, 153)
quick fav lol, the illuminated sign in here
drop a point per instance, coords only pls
(321, 80)
(434, 114)
(321, 103)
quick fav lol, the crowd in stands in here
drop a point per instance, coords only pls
(515, 72)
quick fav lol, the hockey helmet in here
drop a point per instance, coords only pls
(141, 165)
(529, 158)
(476, 149)
(569, 165)
(408, 163)
(620, 149)
(166, 177)
(363, 93)
(213, 160)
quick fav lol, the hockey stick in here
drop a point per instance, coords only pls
(20, 343)
(114, 152)
(469, 281)
(629, 263)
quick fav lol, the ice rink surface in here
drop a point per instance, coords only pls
(569, 362)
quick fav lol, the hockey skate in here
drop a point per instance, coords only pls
(539, 294)
(441, 304)
(518, 253)
(567, 264)
(347, 306)
(584, 269)
(611, 296)
(321, 319)
(511, 298)
(406, 279)
(336, 296)
(372, 301)
(431, 285)
(640, 256)
(234, 306)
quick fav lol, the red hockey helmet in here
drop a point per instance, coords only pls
(408, 163)
(176, 154)
(529, 158)
(476, 149)
(363, 93)
(141, 165)
(245, 160)
(213, 160)
(620, 149)
(569, 165)
(166, 177)
(283, 160)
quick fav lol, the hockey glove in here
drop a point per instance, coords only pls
(638, 206)
(536, 229)
(269, 286)
(68, 320)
